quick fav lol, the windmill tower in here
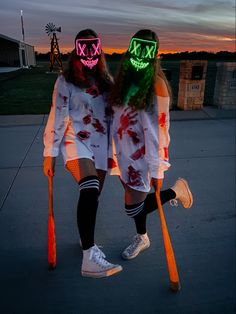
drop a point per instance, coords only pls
(55, 55)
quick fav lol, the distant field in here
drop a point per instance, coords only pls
(26, 91)
(29, 91)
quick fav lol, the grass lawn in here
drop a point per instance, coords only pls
(26, 91)
(29, 91)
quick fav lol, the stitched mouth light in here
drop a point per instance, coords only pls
(88, 50)
(139, 64)
(141, 52)
(89, 63)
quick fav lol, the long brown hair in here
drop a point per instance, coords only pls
(145, 79)
(80, 76)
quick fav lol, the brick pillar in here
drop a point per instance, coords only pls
(191, 84)
(225, 87)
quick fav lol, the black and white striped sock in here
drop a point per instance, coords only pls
(87, 210)
(90, 182)
(150, 205)
(133, 210)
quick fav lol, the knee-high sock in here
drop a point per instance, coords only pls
(150, 205)
(87, 210)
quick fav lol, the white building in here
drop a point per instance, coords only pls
(14, 53)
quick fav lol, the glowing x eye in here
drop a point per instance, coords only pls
(96, 49)
(80, 50)
(135, 48)
(88, 47)
(149, 52)
(143, 48)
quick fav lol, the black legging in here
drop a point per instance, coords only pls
(150, 204)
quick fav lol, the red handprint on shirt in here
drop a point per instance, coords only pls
(162, 119)
(87, 119)
(98, 126)
(138, 153)
(127, 119)
(133, 136)
(111, 163)
(83, 135)
(134, 177)
(166, 157)
(93, 91)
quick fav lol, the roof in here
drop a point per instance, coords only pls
(13, 40)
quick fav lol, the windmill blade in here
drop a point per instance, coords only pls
(50, 28)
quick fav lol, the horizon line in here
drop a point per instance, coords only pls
(121, 51)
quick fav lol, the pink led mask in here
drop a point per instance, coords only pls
(88, 50)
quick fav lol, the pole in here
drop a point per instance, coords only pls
(22, 25)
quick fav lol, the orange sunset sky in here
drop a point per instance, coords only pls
(193, 25)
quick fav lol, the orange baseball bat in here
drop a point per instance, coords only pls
(170, 257)
(51, 228)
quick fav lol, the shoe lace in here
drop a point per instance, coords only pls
(98, 256)
(133, 246)
(174, 203)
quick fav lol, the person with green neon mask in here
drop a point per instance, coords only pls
(139, 135)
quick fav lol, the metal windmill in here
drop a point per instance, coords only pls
(55, 55)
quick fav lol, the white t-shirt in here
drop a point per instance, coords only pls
(77, 124)
(139, 141)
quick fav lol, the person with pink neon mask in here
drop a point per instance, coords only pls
(88, 50)
(78, 124)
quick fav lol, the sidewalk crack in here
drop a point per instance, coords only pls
(20, 166)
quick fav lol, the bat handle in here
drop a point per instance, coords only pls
(51, 227)
(50, 195)
(172, 268)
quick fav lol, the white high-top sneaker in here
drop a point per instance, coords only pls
(140, 243)
(94, 264)
(183, 193)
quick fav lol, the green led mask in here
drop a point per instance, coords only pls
(142, 51)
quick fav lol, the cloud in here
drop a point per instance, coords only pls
(191, 6)
(178, 24)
